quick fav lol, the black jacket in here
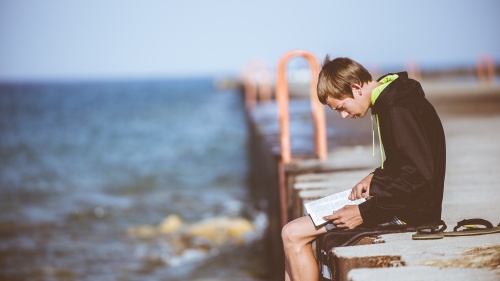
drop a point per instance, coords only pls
(410, 186)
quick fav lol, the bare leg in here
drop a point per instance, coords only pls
(300, 263)
(287, 270)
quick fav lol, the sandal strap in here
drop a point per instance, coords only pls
(465, 222)
(433, 228)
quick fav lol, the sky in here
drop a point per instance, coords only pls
(115, 39)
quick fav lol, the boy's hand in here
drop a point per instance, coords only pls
(348, 217)
(362, 189)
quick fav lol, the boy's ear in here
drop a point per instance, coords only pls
(355, 88)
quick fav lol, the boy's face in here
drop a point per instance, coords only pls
(350, 107)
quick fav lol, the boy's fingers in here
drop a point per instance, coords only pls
(355, 193)
(359, 190)
(352, 195)
(331, 217)
(328, 218)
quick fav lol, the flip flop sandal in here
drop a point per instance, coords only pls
(473, 227)
(433, 231)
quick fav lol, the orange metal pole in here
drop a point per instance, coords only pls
(318, 114)
(265, 91)
(282, 193)
(318, 110)
(414, 70)
(257, 84)
(490, 68)
(479, 69)
(485, 69)
(249, 90)
(263, 80)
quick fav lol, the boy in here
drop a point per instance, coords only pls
(407, 188)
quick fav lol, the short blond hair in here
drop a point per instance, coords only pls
(337, 76)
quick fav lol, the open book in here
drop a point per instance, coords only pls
(325, 206)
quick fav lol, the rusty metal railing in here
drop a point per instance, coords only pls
(318, 109)
(485, 69)
(257, 84)
(318, 115)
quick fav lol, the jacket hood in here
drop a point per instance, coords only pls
(401, 92)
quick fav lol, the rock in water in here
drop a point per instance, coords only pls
(221, 230)
(170, 224)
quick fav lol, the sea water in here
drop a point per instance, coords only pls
(89, 171)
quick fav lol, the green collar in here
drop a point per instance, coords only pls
(385, 82)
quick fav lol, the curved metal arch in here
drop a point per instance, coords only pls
(318, 110)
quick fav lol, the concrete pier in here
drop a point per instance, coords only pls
(470, 113)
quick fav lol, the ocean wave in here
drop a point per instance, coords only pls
(184, 243)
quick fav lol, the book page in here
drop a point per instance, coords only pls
(325, 206)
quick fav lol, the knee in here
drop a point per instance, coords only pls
(290, 235)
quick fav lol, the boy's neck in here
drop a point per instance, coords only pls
(368, 88)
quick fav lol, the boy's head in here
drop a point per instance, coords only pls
(337, 76)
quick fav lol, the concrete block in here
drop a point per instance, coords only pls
(419, 273)
(400, 249)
